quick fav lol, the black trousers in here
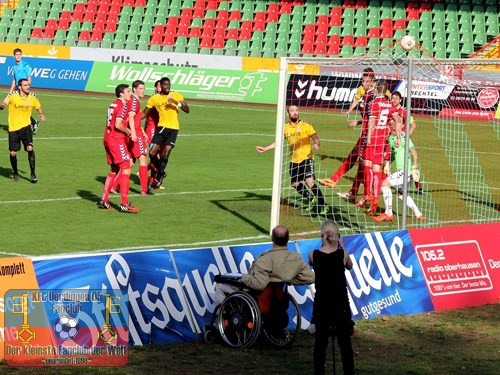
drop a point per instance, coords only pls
(322, 336)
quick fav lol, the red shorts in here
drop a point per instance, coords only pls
(375, 151)
(116, 150)
(139, 147)
(150, 131)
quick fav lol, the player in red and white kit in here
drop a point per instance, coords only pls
(379, 128)
(364, 96)
(116, 138)
(139, 148)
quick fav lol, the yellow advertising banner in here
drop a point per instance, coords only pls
(258, 64)
(497, 115)
(36, 50)
(15, 273)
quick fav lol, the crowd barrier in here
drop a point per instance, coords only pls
(171, 292)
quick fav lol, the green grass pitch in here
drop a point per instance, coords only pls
(218, 189)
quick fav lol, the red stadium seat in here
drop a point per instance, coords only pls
(232, 34)
(85, 35)
(320, 49)
(183, 30)
(128, 3)
(336, 17)
(218, 43)
(307, 48)
(206, 42)
(221, 24)
(156, 39)
(399, 24)
(235, 15)
(333, 49)
(141, 3)
(169, 39)
(285, 8)
(49, 33)
(63, 24)
(361, 41)
(199, 4)
(172, 21)
(158, 30)
(91, 8)
(195, 32)
(223, 15)
(348, 40)
(386, 33)
(374, 32)
(89, 16)
(198, 13)
(412, 15)
(211, 5)
(348, 4)
(37, 32)
(77, 15)
(96, 36)
(110, 27)
(259, 25)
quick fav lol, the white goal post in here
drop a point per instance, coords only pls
(454, 104)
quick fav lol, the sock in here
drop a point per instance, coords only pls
(387, 193)
(124, 187)
(317, 192)
(161, 170)
(377, 183)
(116, 181)
(367, 179)
(153, 169)
(411, 203)
(13, 163)
(301, 189)
(107, 186)
(346, 166)
(143, 177)
(418, 185)
(31, 159)
(358, 180)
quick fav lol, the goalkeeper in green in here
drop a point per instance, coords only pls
(396, 178)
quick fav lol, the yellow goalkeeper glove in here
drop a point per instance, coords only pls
(387, 168)
(415, 173)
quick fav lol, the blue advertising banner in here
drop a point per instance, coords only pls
(197, 268)
(386, 278)
(50, 73)
(156, 304)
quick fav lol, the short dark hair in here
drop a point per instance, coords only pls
(21, 81)
(280, 235)
(368, 72)
(120, 89)
(165, 79)
(137, 83)
(157, 82)
(16, 50)
(397, 93)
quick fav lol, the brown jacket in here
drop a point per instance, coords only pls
(278, 265)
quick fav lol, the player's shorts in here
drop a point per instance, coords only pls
(165, 136)
(24, 135)
(301, 171)
(150, 132)
(360, 146)
(375, 151)
(139, 147)
(116, 151)
(396, 179)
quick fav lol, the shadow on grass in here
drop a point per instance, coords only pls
(89, 196)
(248, 197)
(472, 198)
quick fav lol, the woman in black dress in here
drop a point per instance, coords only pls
(331, 312)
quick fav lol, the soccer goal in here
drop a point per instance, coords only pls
(455, 106)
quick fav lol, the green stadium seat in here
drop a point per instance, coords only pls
(157, 48)
(373, 43)
(281, 49)
(346, 51)
(294, 49)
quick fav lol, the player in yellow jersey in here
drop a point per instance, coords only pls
(299, 134)
(167, 103)
(21, 103)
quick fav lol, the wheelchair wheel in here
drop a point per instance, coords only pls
(285, 337)
(238, 320)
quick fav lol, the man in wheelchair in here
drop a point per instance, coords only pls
(260, 297)
(276, 265)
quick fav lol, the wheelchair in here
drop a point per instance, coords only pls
(243, 316)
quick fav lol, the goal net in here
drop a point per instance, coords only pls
(454, 105)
